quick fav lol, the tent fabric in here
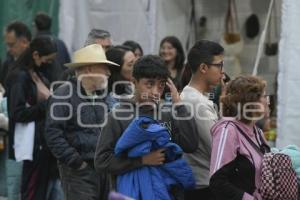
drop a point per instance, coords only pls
(288, 76)
(144, 21)
(125, 21)
(25, 10)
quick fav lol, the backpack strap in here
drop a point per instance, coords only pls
(255, 146)
(264, 146)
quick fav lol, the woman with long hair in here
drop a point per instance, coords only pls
(172, 53)
(27, 95)
(135, 47)
(119, 83)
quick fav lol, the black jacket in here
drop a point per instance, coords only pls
(69, 141)
(233, 180)
(21, 90)
(183, 133)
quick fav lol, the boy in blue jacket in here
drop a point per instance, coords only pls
(151, 76)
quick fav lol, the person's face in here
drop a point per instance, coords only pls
(213, 71)
(168, 52)
(15, 46)
(261, 108)
(105, 43)
(265, 101)
(41, 60)
(148, 90)
(138, 53)
(127, 67)
(99, 75)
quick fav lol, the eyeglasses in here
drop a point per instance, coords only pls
(219, 65)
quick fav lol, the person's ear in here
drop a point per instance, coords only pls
(203, 68)
(35, 55)
(134, 81)
(24, 42)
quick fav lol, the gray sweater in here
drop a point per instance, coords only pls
(205, 117)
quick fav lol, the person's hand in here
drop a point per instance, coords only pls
(173, 91)
(43, 92)
(83, 166)
(223, 86)
(2, 90)
(154, 158)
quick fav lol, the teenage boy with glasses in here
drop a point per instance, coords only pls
(206, 62)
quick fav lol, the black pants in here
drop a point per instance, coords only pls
(36, 175)
(198, 194)
(83, 184)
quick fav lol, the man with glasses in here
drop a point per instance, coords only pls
(17, 37)
(206, 62)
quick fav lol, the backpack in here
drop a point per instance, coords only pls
(278, 178)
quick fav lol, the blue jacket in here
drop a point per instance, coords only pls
(141, 137)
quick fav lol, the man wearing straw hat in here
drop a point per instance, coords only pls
(76, 113)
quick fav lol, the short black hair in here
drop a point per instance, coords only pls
(43, 44)
(150, 66)
(133, 45)
(42, 21)
(203, 52)
(20, 30)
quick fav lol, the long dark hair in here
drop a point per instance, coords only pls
(44, 45)
(134, 46)
(116, 54)
(180, 57)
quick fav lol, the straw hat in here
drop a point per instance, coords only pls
(89, 55)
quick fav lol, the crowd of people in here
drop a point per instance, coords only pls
(113, 119)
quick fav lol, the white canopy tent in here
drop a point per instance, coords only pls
(126, 20)
(289, 76)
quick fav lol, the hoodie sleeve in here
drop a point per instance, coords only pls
(225, 146)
